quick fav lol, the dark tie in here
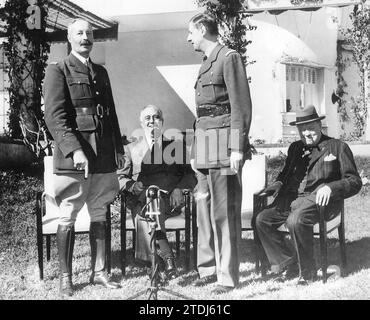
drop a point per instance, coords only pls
(156, 154)
(89, 66)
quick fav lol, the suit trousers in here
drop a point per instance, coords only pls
(143, 249)
(72, 191)
(299, 217)
(218, 201)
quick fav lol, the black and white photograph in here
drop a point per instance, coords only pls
(209, 151)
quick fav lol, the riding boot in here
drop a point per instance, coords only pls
(97, 243)
(65, 243)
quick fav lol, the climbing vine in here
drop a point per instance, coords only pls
(231, 17)
(26, 50)
(358, 36)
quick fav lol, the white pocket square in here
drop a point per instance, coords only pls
(330, 157)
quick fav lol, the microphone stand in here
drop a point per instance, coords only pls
(152, 217)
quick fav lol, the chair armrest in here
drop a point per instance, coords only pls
(260, 202)
(261, 193)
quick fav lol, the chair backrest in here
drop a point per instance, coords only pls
(253, 179)
(51, 217)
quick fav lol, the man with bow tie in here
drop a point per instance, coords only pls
(151, 159)
(81, 117)
(318, 171)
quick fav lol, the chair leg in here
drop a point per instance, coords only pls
(108, 242)
(187, 250)
(133, 243)
(342, 249)
(123, 235)
(177, 243)
(194, 233)
(48, 247)
(39, 234)
(40, 256)
(123, 251)
(324, 255)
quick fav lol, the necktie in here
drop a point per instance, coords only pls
(156, 154)
(89, 66)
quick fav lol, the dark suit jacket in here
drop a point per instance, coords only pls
(222, 80)
(332, 164)
(67, 87)
(168, 169)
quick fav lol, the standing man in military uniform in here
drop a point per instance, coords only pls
(81, 117)
(221, 146)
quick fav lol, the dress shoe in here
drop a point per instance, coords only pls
(101, 278)
(307, 278)
(221, 289)
(289, 273)
(65, 286)
(170, 267)
(204, 281)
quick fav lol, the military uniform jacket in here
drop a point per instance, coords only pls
(222, 80)
(72, 96)
(331, 164)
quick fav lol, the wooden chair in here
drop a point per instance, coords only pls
(175, 224)
(321, 230)
(47, 216)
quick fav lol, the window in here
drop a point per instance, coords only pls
(287, 73)
(293, 74)
(299, 74)
(302, 87)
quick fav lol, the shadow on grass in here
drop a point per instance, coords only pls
(358, 255)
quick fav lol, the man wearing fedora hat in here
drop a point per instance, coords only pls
(319, 171)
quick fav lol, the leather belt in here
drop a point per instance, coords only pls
(99, 110)
(213, 110)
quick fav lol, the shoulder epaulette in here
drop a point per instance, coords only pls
(230, 51)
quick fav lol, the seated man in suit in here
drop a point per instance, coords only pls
(319, 171)
(153, 160)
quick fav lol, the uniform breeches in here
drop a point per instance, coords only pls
(72, 191)
(219, 225)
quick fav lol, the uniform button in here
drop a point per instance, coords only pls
(210, 82)
(97, 93)
(211, 72)
(63, 135)
(95, 81)
(198, 94)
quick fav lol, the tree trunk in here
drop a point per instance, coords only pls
(367, 103)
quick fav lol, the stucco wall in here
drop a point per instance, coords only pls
(148, 42)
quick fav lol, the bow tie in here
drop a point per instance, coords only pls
(310, 148)
(307, 150)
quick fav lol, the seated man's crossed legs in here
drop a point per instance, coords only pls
(300, 217)
(143, 252)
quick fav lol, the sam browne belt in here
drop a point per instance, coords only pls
(213, 110)
(99, 110)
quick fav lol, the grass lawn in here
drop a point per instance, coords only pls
(19, 277)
